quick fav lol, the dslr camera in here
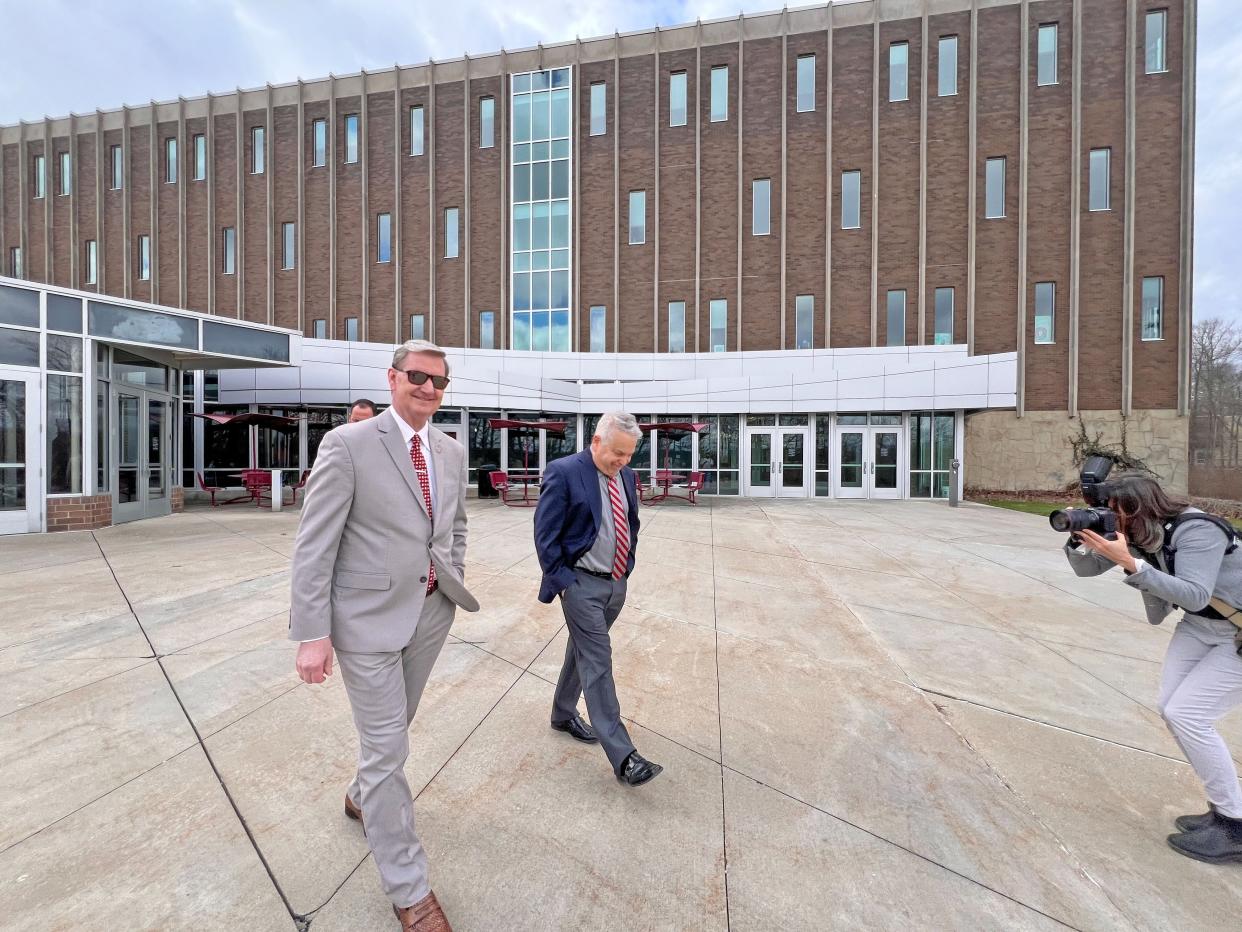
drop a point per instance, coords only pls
(1097, 516)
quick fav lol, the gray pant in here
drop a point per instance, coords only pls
(1200, 682)
(384, 690)
(591, 605)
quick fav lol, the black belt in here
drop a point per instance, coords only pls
(593, 573)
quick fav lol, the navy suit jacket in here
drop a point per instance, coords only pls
(568, 516)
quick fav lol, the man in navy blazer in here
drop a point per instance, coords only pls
(586, 532)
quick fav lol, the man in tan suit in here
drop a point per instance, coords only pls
(378, 572)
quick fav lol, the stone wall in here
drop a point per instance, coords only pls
(79, 513)
(1033, 452)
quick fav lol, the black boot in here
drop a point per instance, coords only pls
(1218, 842)
(1191, 823)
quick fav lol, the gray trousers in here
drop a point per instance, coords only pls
(384, 690)
(1200, 682)
(590, 606)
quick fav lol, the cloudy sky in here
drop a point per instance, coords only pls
(101, 53)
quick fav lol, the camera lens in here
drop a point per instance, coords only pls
(1061, 520)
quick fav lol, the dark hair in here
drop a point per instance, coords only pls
(1146, 508)
(364, 403)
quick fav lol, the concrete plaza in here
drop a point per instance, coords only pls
(871, 716)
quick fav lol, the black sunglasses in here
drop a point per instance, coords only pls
(418, 377)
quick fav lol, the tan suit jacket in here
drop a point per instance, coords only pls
(365, 540)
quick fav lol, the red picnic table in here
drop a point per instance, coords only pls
(502, 481)
(666, 479)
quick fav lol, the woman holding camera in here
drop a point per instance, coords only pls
(1201, 678)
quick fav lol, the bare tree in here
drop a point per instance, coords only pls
(1216, 390)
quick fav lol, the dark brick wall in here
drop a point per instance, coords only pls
(852, 56)
(1049, 150)
(1102, 256)
(1157, 204)
(638, 316)
(807, 145)
(760, 307)
(998, 134)
(597, 224)
(898, 214)
(948, 175)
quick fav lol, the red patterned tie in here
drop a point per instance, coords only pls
(621, 524)
(424, 482)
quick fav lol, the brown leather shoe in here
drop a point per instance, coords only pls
(355, 813)
(424, 916)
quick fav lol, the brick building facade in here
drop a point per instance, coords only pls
(902, 111)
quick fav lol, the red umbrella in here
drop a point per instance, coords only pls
(247, 418)
(552, 427)
(675, 427)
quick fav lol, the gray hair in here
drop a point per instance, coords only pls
(418, 346)
(615, 421)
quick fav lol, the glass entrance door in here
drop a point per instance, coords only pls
(777, 464)
(143, 456)
(20, 487)
(869, 462)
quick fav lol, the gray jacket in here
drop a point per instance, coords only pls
(1203, 571)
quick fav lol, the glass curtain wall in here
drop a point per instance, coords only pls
(719, 457)
(541, 168)
(931, 450)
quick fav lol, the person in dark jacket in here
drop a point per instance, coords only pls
(1201, 679)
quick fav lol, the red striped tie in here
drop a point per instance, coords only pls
(621, 524)
(424, 483)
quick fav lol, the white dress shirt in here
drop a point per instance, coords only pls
(424, 439)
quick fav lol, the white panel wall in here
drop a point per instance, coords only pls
(855, 379)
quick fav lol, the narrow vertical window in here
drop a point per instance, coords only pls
(200, 157)
(228, 251)
(718, 321)
(170, 160)
(761, 207)
(599, 108)
(66, 174)
(1045, 312)
(720, 94)
(804, 321)
(638, 218)
(257, 151)
(288, 245)
(416, 130)
(383, 238)
(899, 71)
(1097, 192)
(944, 317)
(118, 168)
(946, 83)
(418, 326)
(1046, 55)
(450, 232)
(599, 328)
(994, 189)
(487, 122)
(677, 326)
(92, 262)
(806, 83)
(487, 330)
(319, 329)
(15, 261)
(1155, 43)
(1153, 308)
(144, 257)
(40, 176)
(351, 329)
(319, 143)
(351, 138)
(677, 99)
(851, 200)
(895, 332)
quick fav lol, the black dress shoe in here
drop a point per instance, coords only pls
(577, 728)
(1218, 842)
(1191, 823)
(637, 770)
